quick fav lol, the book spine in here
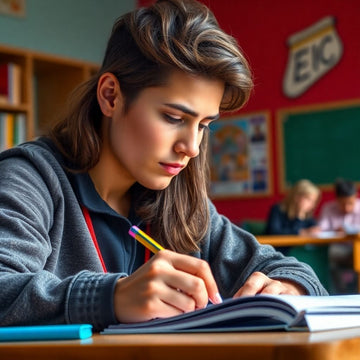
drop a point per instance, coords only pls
(2, 131)
(10, 83)
(9, 129)
(4, 81)
(19, 129)
(12, 129)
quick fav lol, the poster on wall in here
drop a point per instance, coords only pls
(12, 7)
(239, 156)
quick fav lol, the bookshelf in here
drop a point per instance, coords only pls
(45, 83)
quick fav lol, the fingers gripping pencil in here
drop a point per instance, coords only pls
(151, 244)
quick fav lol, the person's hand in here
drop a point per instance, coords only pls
(168, 284)
(259, 283)
(313, 230)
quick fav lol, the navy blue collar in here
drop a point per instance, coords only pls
(90, 198)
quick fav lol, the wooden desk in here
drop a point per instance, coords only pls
(331, 345)
(296, 240)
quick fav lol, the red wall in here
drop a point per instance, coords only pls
(262, 28)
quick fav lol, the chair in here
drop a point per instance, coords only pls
(314, 255)
(317, 257)
(253, 226)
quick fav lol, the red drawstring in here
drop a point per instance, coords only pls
(93, 236)
(147, 251)
(147, 255)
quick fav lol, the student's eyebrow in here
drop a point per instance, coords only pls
(190, 112)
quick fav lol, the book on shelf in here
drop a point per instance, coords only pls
(19, 135)
(10, 83)
(257, 313)
(12, 129)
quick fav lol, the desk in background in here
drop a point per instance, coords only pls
(329, 345)
(296, 240)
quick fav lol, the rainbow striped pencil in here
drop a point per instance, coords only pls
(145, 239)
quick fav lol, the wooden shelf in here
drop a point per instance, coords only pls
(46, 82)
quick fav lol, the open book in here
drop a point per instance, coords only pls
(258, 313)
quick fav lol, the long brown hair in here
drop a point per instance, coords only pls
(144, 47)
(302, 187)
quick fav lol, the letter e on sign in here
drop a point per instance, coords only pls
(312, 53)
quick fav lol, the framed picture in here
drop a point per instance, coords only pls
(239, 151)
(12, 7)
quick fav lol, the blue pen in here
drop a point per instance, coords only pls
(45, 332)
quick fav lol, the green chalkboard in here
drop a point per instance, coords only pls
(321, 145)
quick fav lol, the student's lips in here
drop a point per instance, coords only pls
(172, 168)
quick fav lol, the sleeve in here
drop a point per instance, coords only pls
(234, 254)
(39, 283)
(276, 223)
(325, 218)
(310, 222)
(279, 224)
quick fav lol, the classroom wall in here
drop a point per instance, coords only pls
(77, 29)
(262, 28)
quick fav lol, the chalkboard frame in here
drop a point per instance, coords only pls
(284, 114)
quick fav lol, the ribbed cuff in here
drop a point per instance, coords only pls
(91, 299)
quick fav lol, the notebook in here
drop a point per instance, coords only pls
(257, 313)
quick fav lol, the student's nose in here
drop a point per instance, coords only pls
(189, 143)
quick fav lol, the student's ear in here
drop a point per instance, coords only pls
(108, 93)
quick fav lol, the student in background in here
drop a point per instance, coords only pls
(294, 215)
(342, 215)
(132, 150)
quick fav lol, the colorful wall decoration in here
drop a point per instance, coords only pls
(239, 156)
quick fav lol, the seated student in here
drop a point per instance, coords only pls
(344, 212)
(343, 215)
(294, 215)
(132, 151)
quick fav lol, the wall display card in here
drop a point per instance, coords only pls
(12, 7)
(239, 156)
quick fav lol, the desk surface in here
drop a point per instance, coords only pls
(330, 345)
(294, 240)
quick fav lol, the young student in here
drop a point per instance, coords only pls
(132, 150)
(342, 215)
(294, 215)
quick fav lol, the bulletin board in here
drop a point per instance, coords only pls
(319, 143)
(239, 154)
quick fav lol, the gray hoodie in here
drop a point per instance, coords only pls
(50, 272)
